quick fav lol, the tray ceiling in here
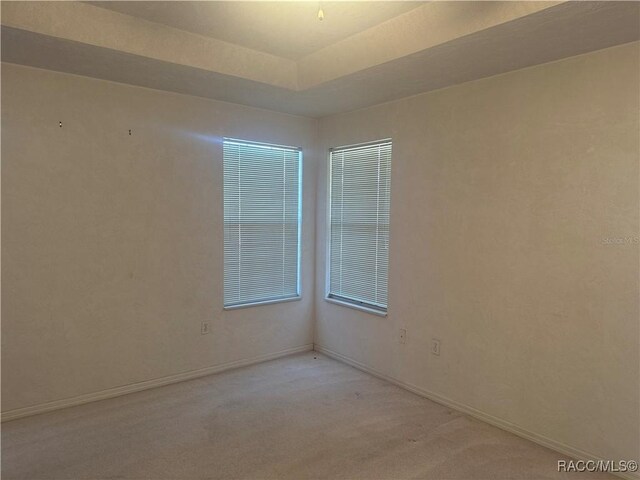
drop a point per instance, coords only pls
(286, 29)
(387, 51)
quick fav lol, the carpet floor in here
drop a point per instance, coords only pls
(300, 417)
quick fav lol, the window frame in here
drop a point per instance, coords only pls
(338, 300)
(269, 301)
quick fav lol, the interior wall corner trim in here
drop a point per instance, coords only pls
(559, 447)
(146, 385)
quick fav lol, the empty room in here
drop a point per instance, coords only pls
(320, 240)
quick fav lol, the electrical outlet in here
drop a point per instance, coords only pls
(435, 346)
(204, 328)
(402, 338)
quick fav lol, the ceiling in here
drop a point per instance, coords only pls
(286, 29)
(425, 47)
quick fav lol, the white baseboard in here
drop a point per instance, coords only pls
(485, 417)
(136, 387)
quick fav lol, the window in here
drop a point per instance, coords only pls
(359, 224)
(262, 186)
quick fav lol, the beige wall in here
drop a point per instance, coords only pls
(112, 244)
(504, 192)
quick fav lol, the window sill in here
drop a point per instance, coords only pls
(263, 302)
(356, 307)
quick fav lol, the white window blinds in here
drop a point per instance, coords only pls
(359, 213)
(261, 222)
